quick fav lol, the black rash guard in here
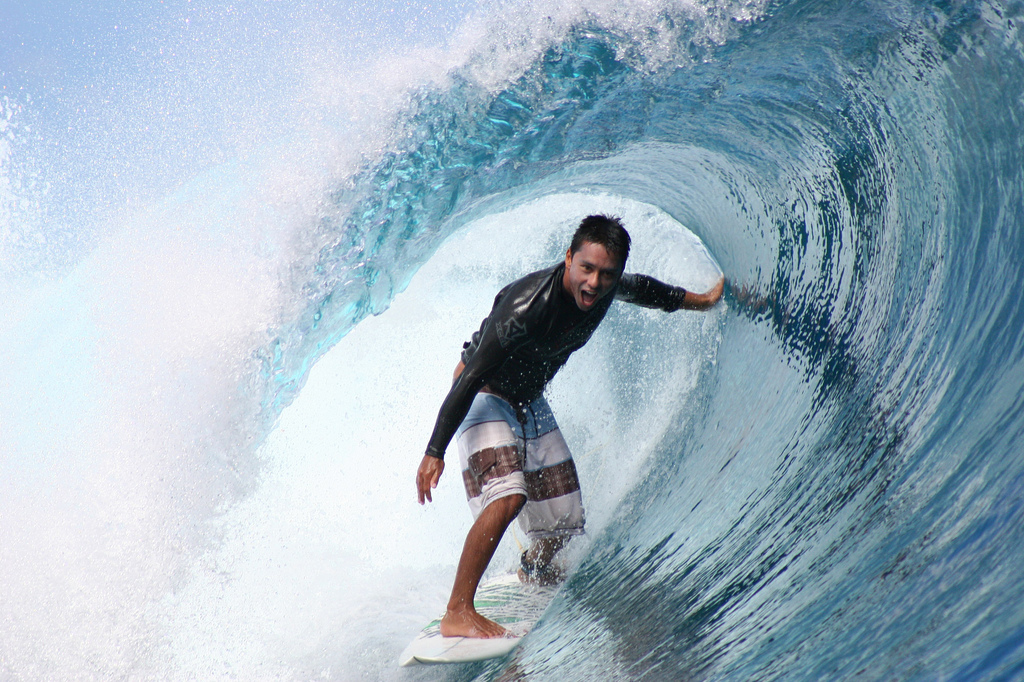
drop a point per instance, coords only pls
(533, 328)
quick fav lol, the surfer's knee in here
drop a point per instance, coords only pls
(509, 506)
(515, 504)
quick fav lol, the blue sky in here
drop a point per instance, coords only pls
(42, 43)
(119, 101)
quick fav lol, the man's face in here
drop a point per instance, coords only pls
(590, 274)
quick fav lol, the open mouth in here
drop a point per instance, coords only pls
(588, 298)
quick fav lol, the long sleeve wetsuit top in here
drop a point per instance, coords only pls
(533, 328)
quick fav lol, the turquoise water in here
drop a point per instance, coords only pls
(210, 438)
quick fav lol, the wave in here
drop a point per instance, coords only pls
(818, 480)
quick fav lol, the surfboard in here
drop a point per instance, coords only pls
(505, 600)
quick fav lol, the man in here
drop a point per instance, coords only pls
(514, 459)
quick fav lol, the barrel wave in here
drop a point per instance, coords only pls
(835, 488)
(843, 499)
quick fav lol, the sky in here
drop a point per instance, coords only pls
(114, 103)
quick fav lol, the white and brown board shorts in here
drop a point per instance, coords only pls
(501, 456)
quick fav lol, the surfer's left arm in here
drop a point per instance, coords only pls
(707, 300)
(649, 292)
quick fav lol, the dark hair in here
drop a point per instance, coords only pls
(606, 231)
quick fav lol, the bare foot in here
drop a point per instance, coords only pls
(469, 623)
(545, 578)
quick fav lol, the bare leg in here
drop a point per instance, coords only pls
(540, 555)
(461, 619)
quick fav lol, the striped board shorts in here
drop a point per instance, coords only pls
(502, 456)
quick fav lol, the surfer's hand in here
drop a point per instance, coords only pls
(716, 292)
(427, 476)
(705, 301)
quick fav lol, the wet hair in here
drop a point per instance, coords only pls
(606, 231)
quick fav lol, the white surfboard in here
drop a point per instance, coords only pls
(505, 600)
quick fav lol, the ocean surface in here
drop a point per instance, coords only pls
(228, 316)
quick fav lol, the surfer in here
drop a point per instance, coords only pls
(514, 460)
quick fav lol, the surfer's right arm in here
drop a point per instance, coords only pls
(431, 468)
(489, 356)
(469, 379)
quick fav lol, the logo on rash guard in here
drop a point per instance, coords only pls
(511, 331)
